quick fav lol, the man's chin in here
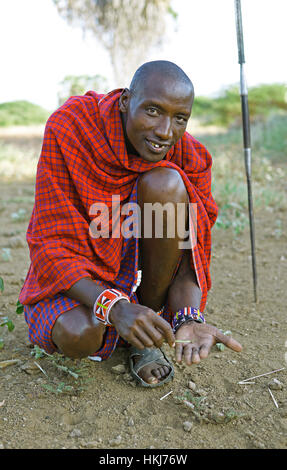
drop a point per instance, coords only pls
(153, 158)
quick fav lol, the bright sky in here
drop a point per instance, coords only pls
(38, 49)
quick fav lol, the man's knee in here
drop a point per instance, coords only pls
(162, 184)
(76, 335)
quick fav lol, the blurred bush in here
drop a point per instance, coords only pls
(21, 113)
(225, 109)
(75, 85)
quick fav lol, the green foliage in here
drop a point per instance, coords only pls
(75, 85)
(61, 387)
(21, 113)
(7, 322)
(59, 362)
(225, 109)
(19, 308)
(269, 141)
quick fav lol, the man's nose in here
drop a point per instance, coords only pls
(164, 128)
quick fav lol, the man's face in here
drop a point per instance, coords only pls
(155, 117)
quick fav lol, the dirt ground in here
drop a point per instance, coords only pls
(55, 402)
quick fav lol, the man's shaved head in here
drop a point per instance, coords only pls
(162, 68)
(155, 109)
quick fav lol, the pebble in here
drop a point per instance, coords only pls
(191, 385)
(119, 369)
(75, 433)
(275, 384)
(200, 392)
(91, 444)
(259, 444)
(187, 425)
(131, 422)
(116, 441)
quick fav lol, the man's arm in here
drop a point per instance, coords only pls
(85, 291)
(137, 324)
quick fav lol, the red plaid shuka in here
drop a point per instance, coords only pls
(83, 161)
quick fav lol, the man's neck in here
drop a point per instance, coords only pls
(130, 148)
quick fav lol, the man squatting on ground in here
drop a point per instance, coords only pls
(80, 293)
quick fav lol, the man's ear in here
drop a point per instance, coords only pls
(124, 100)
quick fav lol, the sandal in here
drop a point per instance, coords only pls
(148, 356)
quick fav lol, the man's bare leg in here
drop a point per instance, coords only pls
(160, 256)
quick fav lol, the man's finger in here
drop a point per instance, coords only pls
(187, 353)
(204, 351)
(228, 341)
(178, 352)
(166, 330)
(195, 356)
(136, 342)
(145, 339)
(155, 334)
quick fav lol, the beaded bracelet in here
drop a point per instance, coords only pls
(105, 302)
(185, 314)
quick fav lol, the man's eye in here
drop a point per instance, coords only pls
(181, 120)
(152, 111)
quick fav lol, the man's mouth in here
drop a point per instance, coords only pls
(155, 146)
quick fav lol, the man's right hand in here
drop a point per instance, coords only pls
(140, 325)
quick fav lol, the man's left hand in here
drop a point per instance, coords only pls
(193, 342)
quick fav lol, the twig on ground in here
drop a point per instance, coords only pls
(9, 362)
(272, 396)
(246, 383)
(261, 375)
(41, 369)
(166, 395)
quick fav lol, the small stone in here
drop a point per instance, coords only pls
(116, 441)
(200, 392)
(187, 425)
(119, 369)
(131, 422)
(191, 385)
(275, 384)
(91, 444)
(75, 433)
(259, 444)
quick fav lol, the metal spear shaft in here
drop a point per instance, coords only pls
(246, 136)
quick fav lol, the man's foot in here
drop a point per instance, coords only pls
(150, 367)
(152, 373)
